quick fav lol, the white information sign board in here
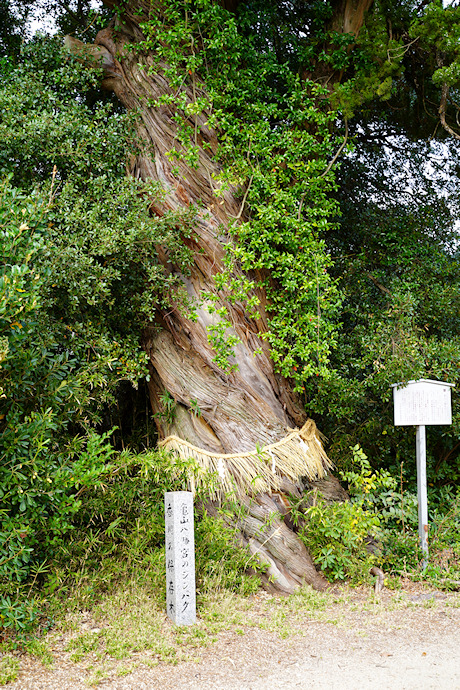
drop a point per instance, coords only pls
(422, 402)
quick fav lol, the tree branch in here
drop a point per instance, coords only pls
(342, 146)
(442, 111)
(381, 287)
(92, 55)
(240, 213)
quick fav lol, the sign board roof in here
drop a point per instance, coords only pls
(422, 402)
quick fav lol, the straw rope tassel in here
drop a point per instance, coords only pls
(298, 454)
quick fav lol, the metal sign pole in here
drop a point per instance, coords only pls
(421, 492)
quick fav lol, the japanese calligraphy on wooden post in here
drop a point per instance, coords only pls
(180, 557)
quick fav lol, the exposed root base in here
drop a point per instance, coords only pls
(261, 527)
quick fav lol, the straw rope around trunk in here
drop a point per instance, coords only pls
(299, 454)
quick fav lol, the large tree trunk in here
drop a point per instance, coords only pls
(252, 406)
(252, 403)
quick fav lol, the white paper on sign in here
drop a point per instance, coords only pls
(422, 403)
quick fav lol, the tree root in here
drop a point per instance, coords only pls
(259, 525)
(380, 581)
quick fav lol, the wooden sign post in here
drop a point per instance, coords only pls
(180, 557)
(421, 403)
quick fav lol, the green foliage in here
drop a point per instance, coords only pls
(20, 617)
(78, 281)
(377, 491)
(80, 278)
(19, 282)
(379, 525)
(221, 562)
(402, 555)
(336, 534)
(397, 261)
(12, 19)
(444, 562)
(195, 408)
(103, 272)
(38, 477)
(276, 138)
(274, 144)
(119, 533)
(130, 503)
(438, 31)
(9, 667)
(222, 340)
(378, 61)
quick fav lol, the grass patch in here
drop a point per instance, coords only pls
(128, 629)
(9, 668)
(284, 615)
(82, 645)
(126, 670)
(39, 649)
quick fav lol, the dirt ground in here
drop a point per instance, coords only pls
(403, 641)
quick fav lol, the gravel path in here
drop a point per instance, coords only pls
(403, 643)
